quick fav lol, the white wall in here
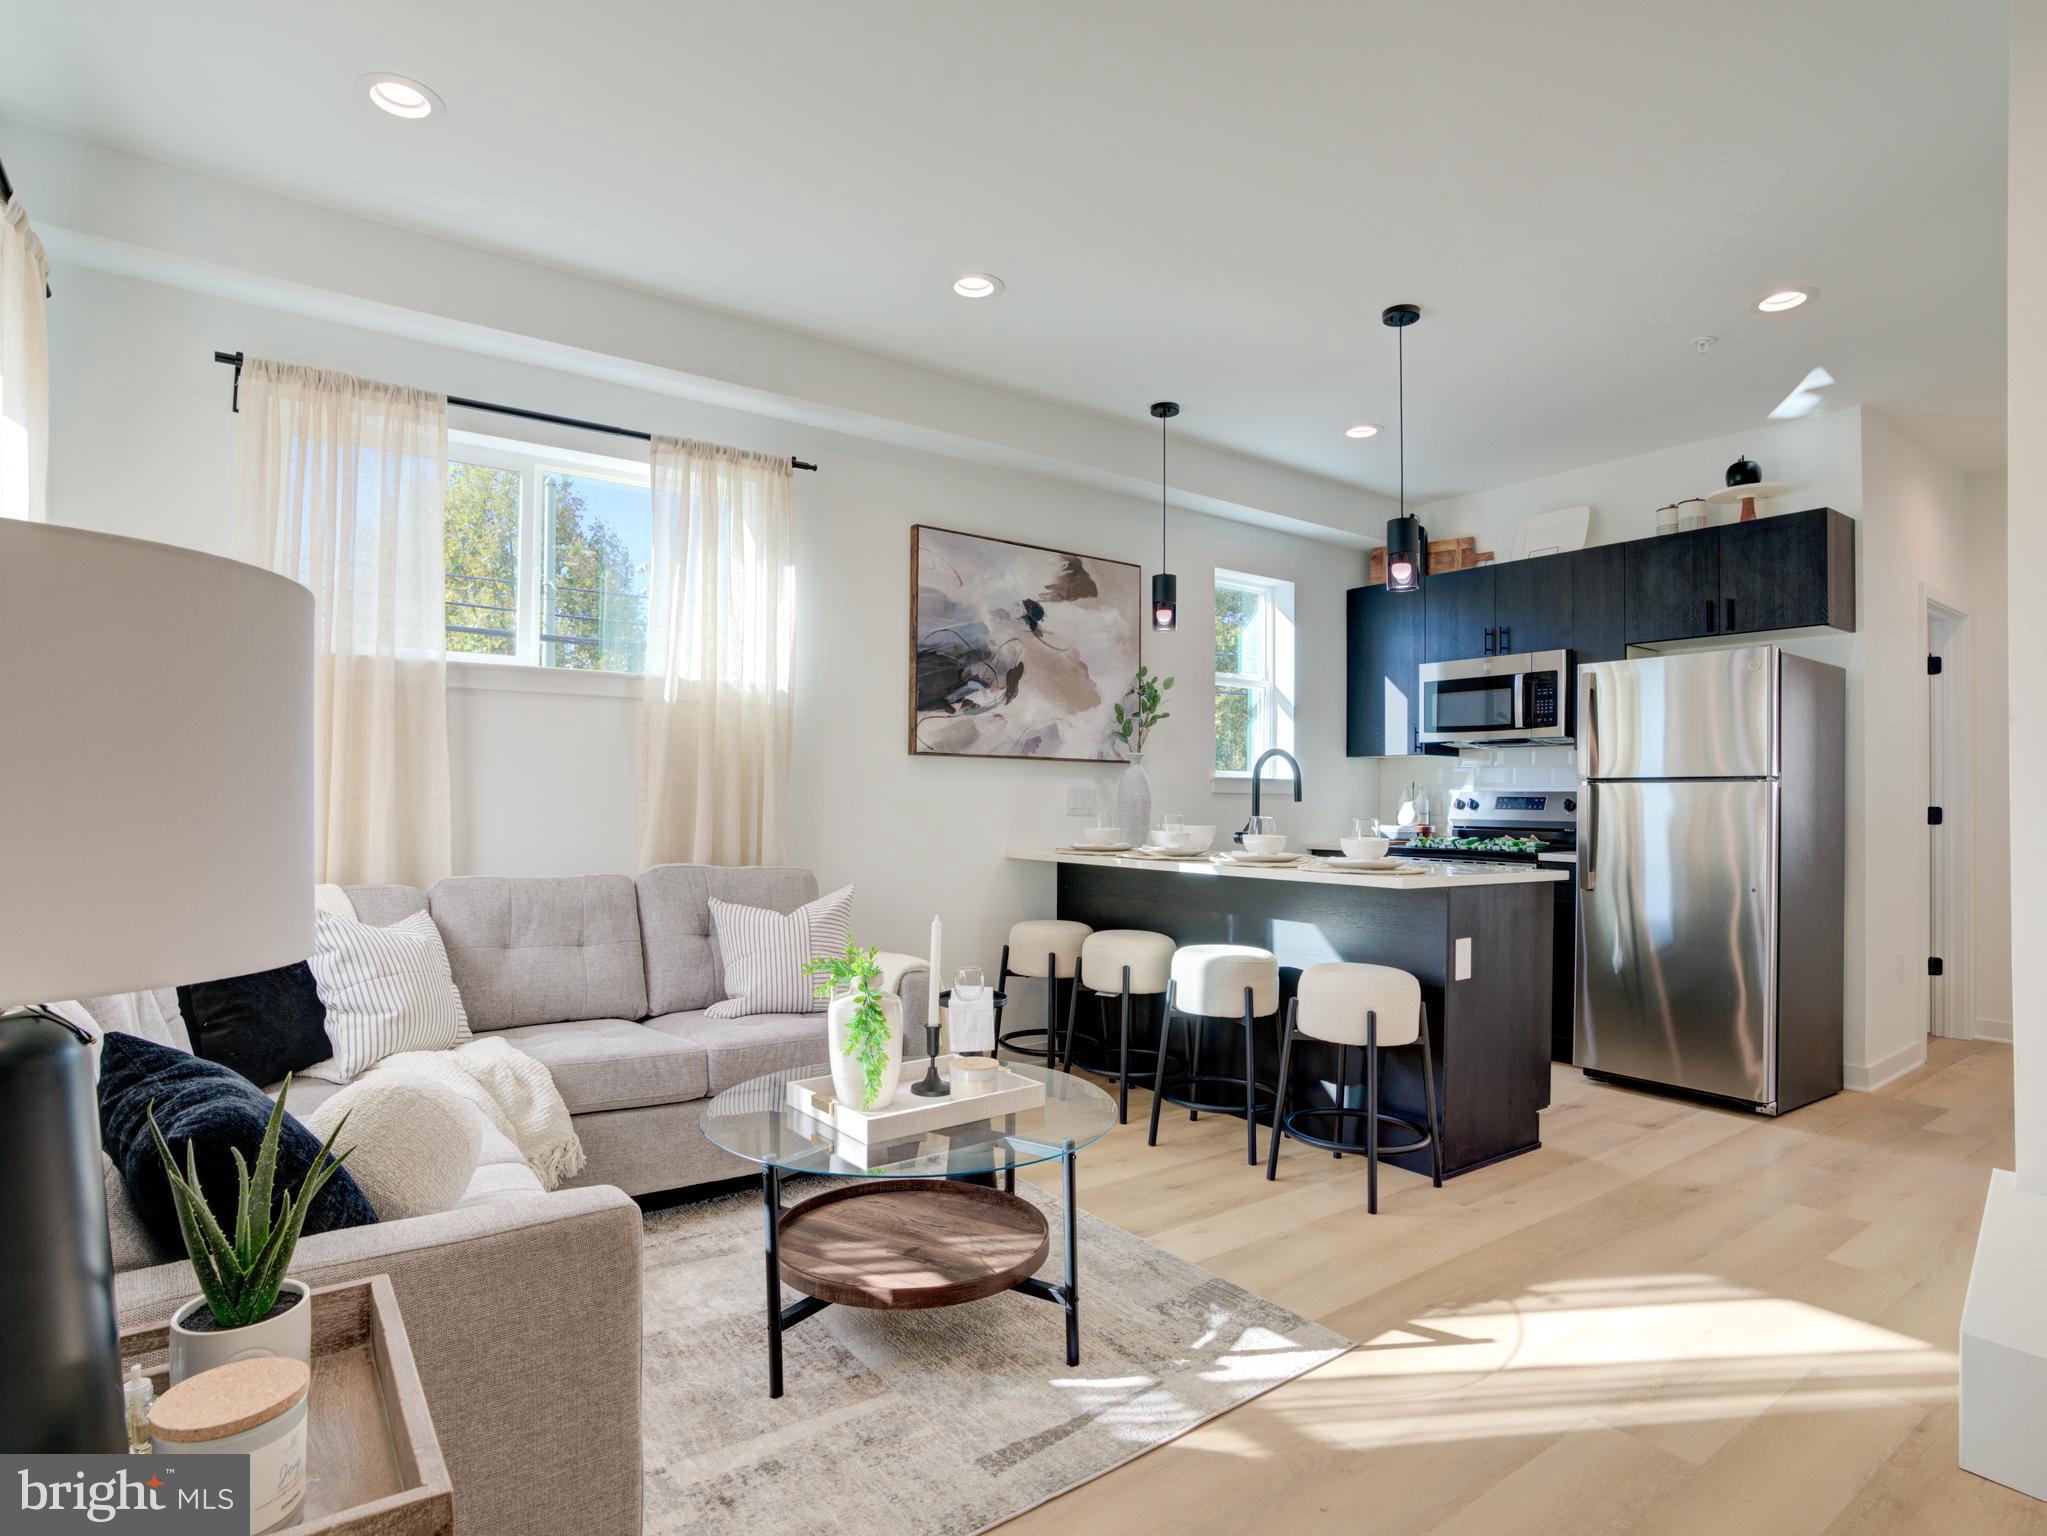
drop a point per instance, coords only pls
(1989, 759)
(545, 766)
(1913, 523)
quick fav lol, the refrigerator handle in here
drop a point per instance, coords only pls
(1588, 842)
(1591, 724)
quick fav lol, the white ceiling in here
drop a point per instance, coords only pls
(1211, 201)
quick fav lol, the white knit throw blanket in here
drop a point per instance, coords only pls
(515, 1093)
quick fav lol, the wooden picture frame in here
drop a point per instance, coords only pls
(1019, 650)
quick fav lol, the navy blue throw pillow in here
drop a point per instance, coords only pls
(215, 1109)
(263, 1025)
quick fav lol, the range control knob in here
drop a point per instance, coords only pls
(1570, 805)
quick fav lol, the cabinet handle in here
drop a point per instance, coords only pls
(1506, 639)
(1730, 615)
(1489, 643)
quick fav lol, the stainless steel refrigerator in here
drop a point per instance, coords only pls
(1710, 874)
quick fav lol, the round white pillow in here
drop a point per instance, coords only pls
(415, 1143)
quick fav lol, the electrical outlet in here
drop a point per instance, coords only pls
(1080, 800)
(1464, 960)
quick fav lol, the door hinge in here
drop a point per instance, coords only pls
(1933, 666)
(1934, 815)
(1933, 965)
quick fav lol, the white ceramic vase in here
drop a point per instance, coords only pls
(1133, 802)
(848, 1081)
(288, 1335)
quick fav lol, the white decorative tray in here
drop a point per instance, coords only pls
(907, 1114)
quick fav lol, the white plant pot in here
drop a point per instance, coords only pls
(288, 1335)
(848, 1082)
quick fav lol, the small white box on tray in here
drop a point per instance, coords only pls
(909, 1115)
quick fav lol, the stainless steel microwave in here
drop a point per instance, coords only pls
(1523, 700)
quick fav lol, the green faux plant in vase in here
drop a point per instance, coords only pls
(240, 1276)
(1148, 708)
(866, 1022)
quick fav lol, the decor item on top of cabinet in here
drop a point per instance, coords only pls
(1133, 791)
(1445, 555)
(1745, 484)
(1552, 533)
(1016, 649)
(865, 1025)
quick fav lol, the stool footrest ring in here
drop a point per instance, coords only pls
(1288, 1127)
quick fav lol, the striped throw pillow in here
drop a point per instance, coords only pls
(765, 951)
(385, 990)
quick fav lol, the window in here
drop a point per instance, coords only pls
(547, 556)
(1254, 669)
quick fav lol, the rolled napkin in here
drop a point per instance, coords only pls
(972, 1026)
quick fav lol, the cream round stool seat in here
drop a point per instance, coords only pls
(1374, 1008)
(1237, 982)
(1120, 963)
(1048, 949)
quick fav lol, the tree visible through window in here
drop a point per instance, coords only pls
(1253, 668)
(545, 564)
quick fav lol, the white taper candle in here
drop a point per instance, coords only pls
(931, 1014)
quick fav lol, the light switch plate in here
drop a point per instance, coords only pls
(1080, 800)
(1463, 960)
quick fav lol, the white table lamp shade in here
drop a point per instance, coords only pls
(156, 767)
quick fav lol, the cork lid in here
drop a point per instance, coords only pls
(229, 1399)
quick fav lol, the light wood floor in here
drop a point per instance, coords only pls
(1667, 1319)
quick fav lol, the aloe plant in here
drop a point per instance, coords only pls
(240, 1277)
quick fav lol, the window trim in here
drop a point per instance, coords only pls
(1276, 686)
(533, 461)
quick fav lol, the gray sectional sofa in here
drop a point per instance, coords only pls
(523, 1305)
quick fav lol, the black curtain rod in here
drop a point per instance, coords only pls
(234, 360)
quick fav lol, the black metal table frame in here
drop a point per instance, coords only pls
(781, 1318)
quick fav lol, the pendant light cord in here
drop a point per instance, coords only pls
(1162, 492)
(1400, 346)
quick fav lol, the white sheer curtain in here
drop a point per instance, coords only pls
(341, 485)
(720, 624)
(24, 367)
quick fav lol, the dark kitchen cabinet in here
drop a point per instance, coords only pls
(1599, 603)
(1789, 572)
(1532, 604)
(1458, 618)
(1673, 588)
(1384, 642)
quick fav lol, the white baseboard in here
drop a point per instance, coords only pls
(1867, 1079)
(1992, 1029)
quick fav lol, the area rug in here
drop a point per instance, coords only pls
(934, 1423)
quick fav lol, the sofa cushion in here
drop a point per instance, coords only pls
(739, 1049)
(382, 905)
(684, 972)
(500, 1181)
(538, 951)
(614, 1064)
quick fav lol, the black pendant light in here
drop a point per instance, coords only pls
(1407, 541)
(1165, 587)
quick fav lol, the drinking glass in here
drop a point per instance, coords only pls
(969, 982)
(1173, 822)
(1262, 826)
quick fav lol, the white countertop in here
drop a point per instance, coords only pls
(1441, 873)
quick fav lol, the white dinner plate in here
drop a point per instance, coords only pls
(1364, 866)
(1100, 847)
(1266, 859)
(1149, 852)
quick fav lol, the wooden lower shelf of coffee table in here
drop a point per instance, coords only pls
(906, 1244)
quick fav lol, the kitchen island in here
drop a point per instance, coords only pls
(1477, 937)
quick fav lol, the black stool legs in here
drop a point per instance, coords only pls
(1194, 1078)
(1284, 1122)
(1050, 1050)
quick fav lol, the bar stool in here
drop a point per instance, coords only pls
(1059, 943)
(1217, 981)
(1123, 963)
(1379, 1008)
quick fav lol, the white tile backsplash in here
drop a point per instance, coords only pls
(1493, 768)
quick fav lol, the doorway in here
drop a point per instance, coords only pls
(1948, 946)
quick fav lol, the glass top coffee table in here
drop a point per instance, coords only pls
(926, 1225)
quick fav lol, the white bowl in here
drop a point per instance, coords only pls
(1264, 842)
(1198, 839)
(1365, 847)
(1168, 837)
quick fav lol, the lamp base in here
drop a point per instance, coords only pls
(60, 1354)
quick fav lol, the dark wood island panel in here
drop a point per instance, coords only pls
(1490, 1031)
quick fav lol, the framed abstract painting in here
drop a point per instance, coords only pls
(1017, 650)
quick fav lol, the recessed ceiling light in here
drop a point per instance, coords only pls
(977, 285)
(1783, 299)
(1362, 429)
(401, 96)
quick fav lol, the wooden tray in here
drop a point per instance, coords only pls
(373, 1462)
(909, 1115)
(907, 1244)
